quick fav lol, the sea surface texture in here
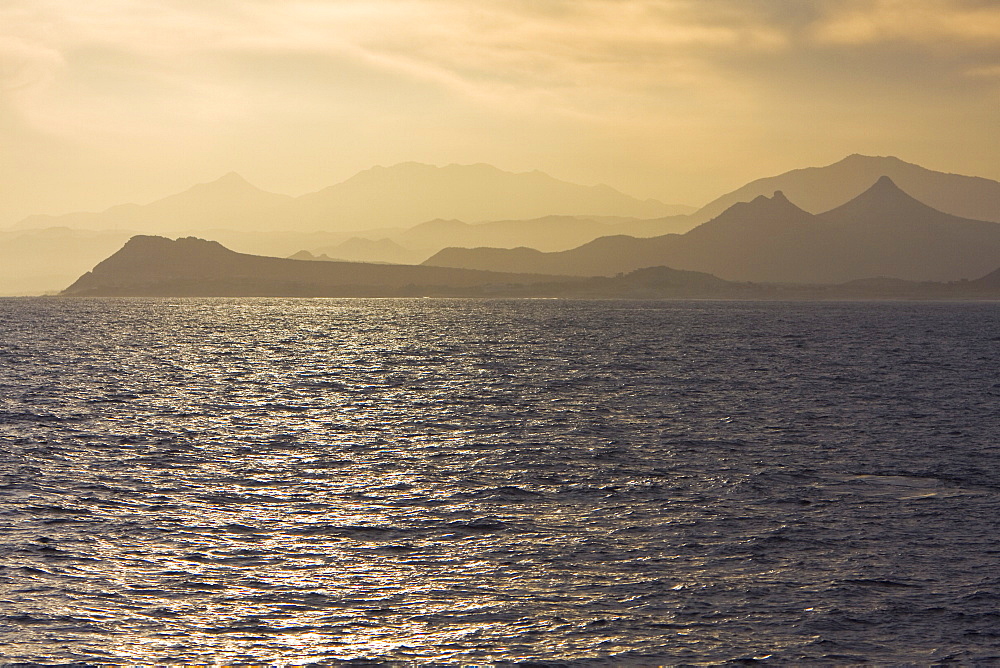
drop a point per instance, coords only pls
(600, 483)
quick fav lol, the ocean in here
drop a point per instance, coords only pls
(454, 482)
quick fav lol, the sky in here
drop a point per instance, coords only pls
(111, 101)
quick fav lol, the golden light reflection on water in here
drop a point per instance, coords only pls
(412, 494)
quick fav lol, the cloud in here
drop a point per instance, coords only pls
(558, 55)
(538, 82)
(952, 23)
(489, 50)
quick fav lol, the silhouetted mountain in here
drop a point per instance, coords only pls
(546, 233)
(402, 195)
(988, 283)
(226, 202)
(250, 220)
(887, 232)
(409, 193)
(882, 232)
(151, 266)
(306, 255)
(357, 249)
(154, 266)
(549, 233)
(750, 238)
(818, 189)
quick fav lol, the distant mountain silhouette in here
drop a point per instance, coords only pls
(306, 255)
(358, 249)
(988, 283)
(152, 266)
(886, 232)
(421, 210)
(548, 233)
(226, 202)
(155, 266)
(882, 232)
(409, 193)
(402, 195)
(545, 233)
(818, 189)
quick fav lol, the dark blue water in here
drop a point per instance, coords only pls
(451, 481)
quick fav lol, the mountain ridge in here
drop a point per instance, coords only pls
(149, 266)
(771, 239)
(404, 194)
(819, 189)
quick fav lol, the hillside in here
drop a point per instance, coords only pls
(882, 232)
(228, 202)
(410, 193)
(151, 266)
(818, 189)
(397, 196)
(188, 267)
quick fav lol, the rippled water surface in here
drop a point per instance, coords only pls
(304, 481)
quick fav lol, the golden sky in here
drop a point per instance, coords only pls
(108, 101)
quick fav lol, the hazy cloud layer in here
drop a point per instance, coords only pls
(673, 98)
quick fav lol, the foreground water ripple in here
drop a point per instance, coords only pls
(307, 481)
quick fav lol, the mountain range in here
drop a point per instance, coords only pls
(548, 233)
(818, 189)
(38, 257)
(881, 232)
(814, 189)
(380, 197)
(154, 266)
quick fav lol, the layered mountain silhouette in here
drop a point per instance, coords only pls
(410, 193)
(549, 233)
(155, 266)
(818, 189)
(381, 197)
(359, 249)
(478, 207)
(150, 265)
(228, 202)
(881, 232)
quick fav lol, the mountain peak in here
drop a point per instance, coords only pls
(860, 157)
(882, 203)
(818, 189)
(228, 181)
(231, 177)
(885, 188)
(776, 202)
(770, 215)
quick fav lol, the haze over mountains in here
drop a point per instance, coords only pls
(371, 205)
(553, 226)
(881, 232)
(548, 233)
(34, 262)
(380, 197)
(818, 189)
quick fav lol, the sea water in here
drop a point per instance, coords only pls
(456, 481)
